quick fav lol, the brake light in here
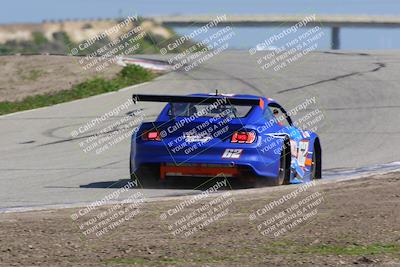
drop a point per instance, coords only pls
(243, 137)
(152, 136)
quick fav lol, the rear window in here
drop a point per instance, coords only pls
(208, 110)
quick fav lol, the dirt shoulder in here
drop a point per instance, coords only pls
(22, 76)
(354, 222)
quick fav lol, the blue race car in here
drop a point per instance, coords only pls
(238, 136)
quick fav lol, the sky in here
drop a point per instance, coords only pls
(19, 11)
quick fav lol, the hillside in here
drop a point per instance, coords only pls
(59, 37)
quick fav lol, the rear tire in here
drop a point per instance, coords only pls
(284, 168)
(284, 171)
(148, 176)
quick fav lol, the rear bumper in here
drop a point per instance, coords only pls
(251, 159)
(202, 170)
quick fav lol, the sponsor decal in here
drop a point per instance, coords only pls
(191, 138)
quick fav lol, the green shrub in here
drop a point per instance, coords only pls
(39, 38)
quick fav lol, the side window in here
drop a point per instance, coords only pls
(267, 115)
(280, 115)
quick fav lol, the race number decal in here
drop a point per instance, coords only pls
(302, 154)
(232, 153)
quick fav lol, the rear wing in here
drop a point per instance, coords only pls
(240, 101)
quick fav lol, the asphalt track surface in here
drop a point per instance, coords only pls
(358, 93)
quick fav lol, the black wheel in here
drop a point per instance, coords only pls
(313, 167)
(148, 176)
(316, 164)
(283, 175)
(284, 169)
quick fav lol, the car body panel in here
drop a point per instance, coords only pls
(190, 142)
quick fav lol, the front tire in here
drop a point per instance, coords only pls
(315, 172)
